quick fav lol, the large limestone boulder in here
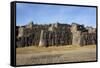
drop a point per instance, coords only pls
(42, 39)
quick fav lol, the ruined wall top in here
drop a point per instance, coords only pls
(91, 30)
(21, 31)
(30, 25)
(74, 27)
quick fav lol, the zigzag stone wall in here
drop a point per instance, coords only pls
(55, 35)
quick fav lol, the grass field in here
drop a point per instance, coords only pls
(54, 54)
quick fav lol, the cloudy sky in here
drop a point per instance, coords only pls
(45, 14)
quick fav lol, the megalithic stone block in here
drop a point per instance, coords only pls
(42, 39)
(76, 38)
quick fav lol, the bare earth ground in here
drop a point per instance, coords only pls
(54, 54)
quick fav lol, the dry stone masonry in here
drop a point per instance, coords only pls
(54, 35)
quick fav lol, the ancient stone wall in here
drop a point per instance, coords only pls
(88, 39)
(55, 35)
(83, 36)
(46, 38)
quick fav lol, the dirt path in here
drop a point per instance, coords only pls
(83, 54)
